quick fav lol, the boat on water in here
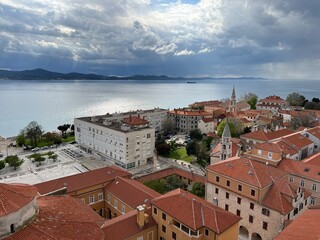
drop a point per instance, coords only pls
(191, 82)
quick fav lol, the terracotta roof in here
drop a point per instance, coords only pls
(315, 132)
(195, 212)
(257, 135)
(276, 197)
(313, 159)
(15, 196)
(300, 168)
(131, 192)
(305, 226)
(267, 146)
(186, 112)
(82, 180)
(287, 148)
(297, 140)
(133, 120)
(206, 103)
(273, 99)
(125, 226)
(246, 170)
(62, 217)
(207, 120)
(267, 136)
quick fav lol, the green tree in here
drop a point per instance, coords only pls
(303, 120)
(157, 185)
(295, 99)
(39, 159)
(251, 99)
(195, 134)
(198, 189)
(163, 149)
(2, 164)
(191, 148)
(63, 128)
(235, 124)
(53, 157)
(168, 126)
(33, 132)
(174, 182)
(13, 161)
(21, 139)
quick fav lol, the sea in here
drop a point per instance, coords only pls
(55, 102)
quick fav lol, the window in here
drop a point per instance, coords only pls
(302, 183)
(269, 155)
(164, 228)
(252, 206)
(313, 201)
(206, 232)
(239, 200)
(291, 179)
(265, 212)
(253, 192)
(217, 179)
(259, 152)
(123, 209)
(265, 225)
(91, 199)
(217, 191)
(228, 183)
(314, 187)
(174, 235)
(164, 216)
(240, 188)
(250, 218)
(108, 198)
(155, 210)
(227, 195)
(238, 212)
(115, 204)
(226, 207)
(100, 196)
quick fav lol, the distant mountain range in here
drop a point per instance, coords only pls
(41, 74)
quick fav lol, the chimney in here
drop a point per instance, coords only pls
(142, 217)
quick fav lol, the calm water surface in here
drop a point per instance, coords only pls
(52, 103)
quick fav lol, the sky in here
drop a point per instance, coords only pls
(189, 38)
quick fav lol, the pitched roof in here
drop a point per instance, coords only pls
(276, 197)
(246, 170)
(62, 217)
(134, 120)
(125, 226)
(195, 212)
(270, 147)
(267, 136)
(297, 140)
(300, 168)
(15, 196)
(82, 180)
(207, 120)
(305, 226)
(226, 131)
(313, 159)
(187, 112)
(131, 192)
(315, 131)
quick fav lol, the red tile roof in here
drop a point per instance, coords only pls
(131, 192)
(246, 170)
(82, 180)
(207, 120)
(305, 226)
(276, 197)
(313, 159)
(297, 140)
(267, 136)
(267, 146)
(133, 120)
(172, 171)
(287, 148)
(62, 217)
(125, 226)
(15, 196)
(315, 132)
(195, 212)
(300, 168)
(185, 112)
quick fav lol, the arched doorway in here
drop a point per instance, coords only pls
(12, 229)
(243, 233)
(256, 236)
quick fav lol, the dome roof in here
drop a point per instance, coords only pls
(15, 196)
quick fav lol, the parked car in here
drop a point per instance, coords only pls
(35, 149)
(1, 154)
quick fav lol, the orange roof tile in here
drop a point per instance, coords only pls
(207, 120)
(82, 180)
(246, 170)
(267, 146)
(186, 112)
(305, 226)
(315, 131)
(300, 168)
(172, 171)
(133, 120)
(15, 196)
(267, 136)
(131, 192)
(195, 212)
(297, 140)
(313, 159)
(287, 148)
(62, 217)
(125, 226)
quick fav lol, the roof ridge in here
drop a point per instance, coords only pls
(255, 173)
(193, 213)
(216, 221)
(130, 181)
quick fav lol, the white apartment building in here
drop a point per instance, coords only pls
(129, 142)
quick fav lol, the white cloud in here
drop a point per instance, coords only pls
(184, 52)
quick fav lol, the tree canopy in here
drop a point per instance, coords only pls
(13, 161)
(2, 164)
(235, 125)
(198, 189)
(251, 99)
(33, 132)
(195, 134)
(295, 99)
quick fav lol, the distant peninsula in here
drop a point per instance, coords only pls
(42, 74)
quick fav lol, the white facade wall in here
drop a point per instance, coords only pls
(127, 149)
(206, 127)
(274, 220)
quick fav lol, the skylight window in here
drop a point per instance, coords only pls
(306, 169)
